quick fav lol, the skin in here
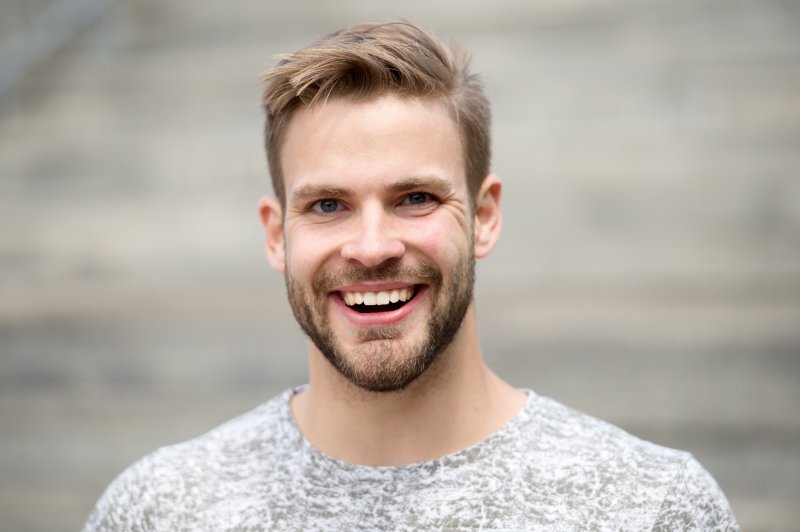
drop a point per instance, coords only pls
(371, 184)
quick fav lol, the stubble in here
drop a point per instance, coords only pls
(385, 360)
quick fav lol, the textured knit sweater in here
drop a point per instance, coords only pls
(550, 468)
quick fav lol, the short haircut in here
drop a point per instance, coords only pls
(371, 60)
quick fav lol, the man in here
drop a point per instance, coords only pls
(378, 145)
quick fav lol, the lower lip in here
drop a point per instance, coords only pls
(376, 319)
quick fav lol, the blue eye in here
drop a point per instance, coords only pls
(418, 198)
(328, 205)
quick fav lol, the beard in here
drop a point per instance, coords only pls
(382, 361)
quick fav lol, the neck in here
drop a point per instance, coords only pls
(456, 403)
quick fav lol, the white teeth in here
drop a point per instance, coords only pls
(377, 298)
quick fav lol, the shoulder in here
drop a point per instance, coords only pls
(616, 478)
(174, 486)
(695, 502)
(557, 429)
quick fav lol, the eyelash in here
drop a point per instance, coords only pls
(427, 198)
(317, 206)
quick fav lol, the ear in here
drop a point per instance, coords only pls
(488, 220)
(272, 219)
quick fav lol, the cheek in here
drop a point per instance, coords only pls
(301, 257)
(443, 242)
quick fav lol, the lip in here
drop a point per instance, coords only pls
(376, 319)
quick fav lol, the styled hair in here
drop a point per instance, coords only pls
(368, 61)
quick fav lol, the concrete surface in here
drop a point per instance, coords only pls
(649, 272)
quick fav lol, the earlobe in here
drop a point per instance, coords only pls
(274, 245)
(488, 220)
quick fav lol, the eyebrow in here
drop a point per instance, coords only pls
(437, 184)
(319, 191)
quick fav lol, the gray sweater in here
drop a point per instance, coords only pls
(550, 468)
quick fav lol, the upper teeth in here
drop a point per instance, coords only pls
(377, 298)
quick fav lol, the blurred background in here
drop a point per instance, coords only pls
(649, 272)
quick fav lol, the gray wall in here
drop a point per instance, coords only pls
(649, 271)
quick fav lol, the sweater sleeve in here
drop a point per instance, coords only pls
(695, 502)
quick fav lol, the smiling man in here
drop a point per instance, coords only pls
(378, 225)
(378, 145)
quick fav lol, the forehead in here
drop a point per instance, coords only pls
(342, 142)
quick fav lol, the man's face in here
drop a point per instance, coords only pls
(378, 233)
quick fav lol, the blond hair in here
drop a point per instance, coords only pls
(370, 60)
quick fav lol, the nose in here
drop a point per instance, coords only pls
(373, 240)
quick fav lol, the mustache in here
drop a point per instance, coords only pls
(424, 272)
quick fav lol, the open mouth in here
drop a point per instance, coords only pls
(383, 301)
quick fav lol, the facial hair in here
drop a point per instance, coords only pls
(383, 362)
